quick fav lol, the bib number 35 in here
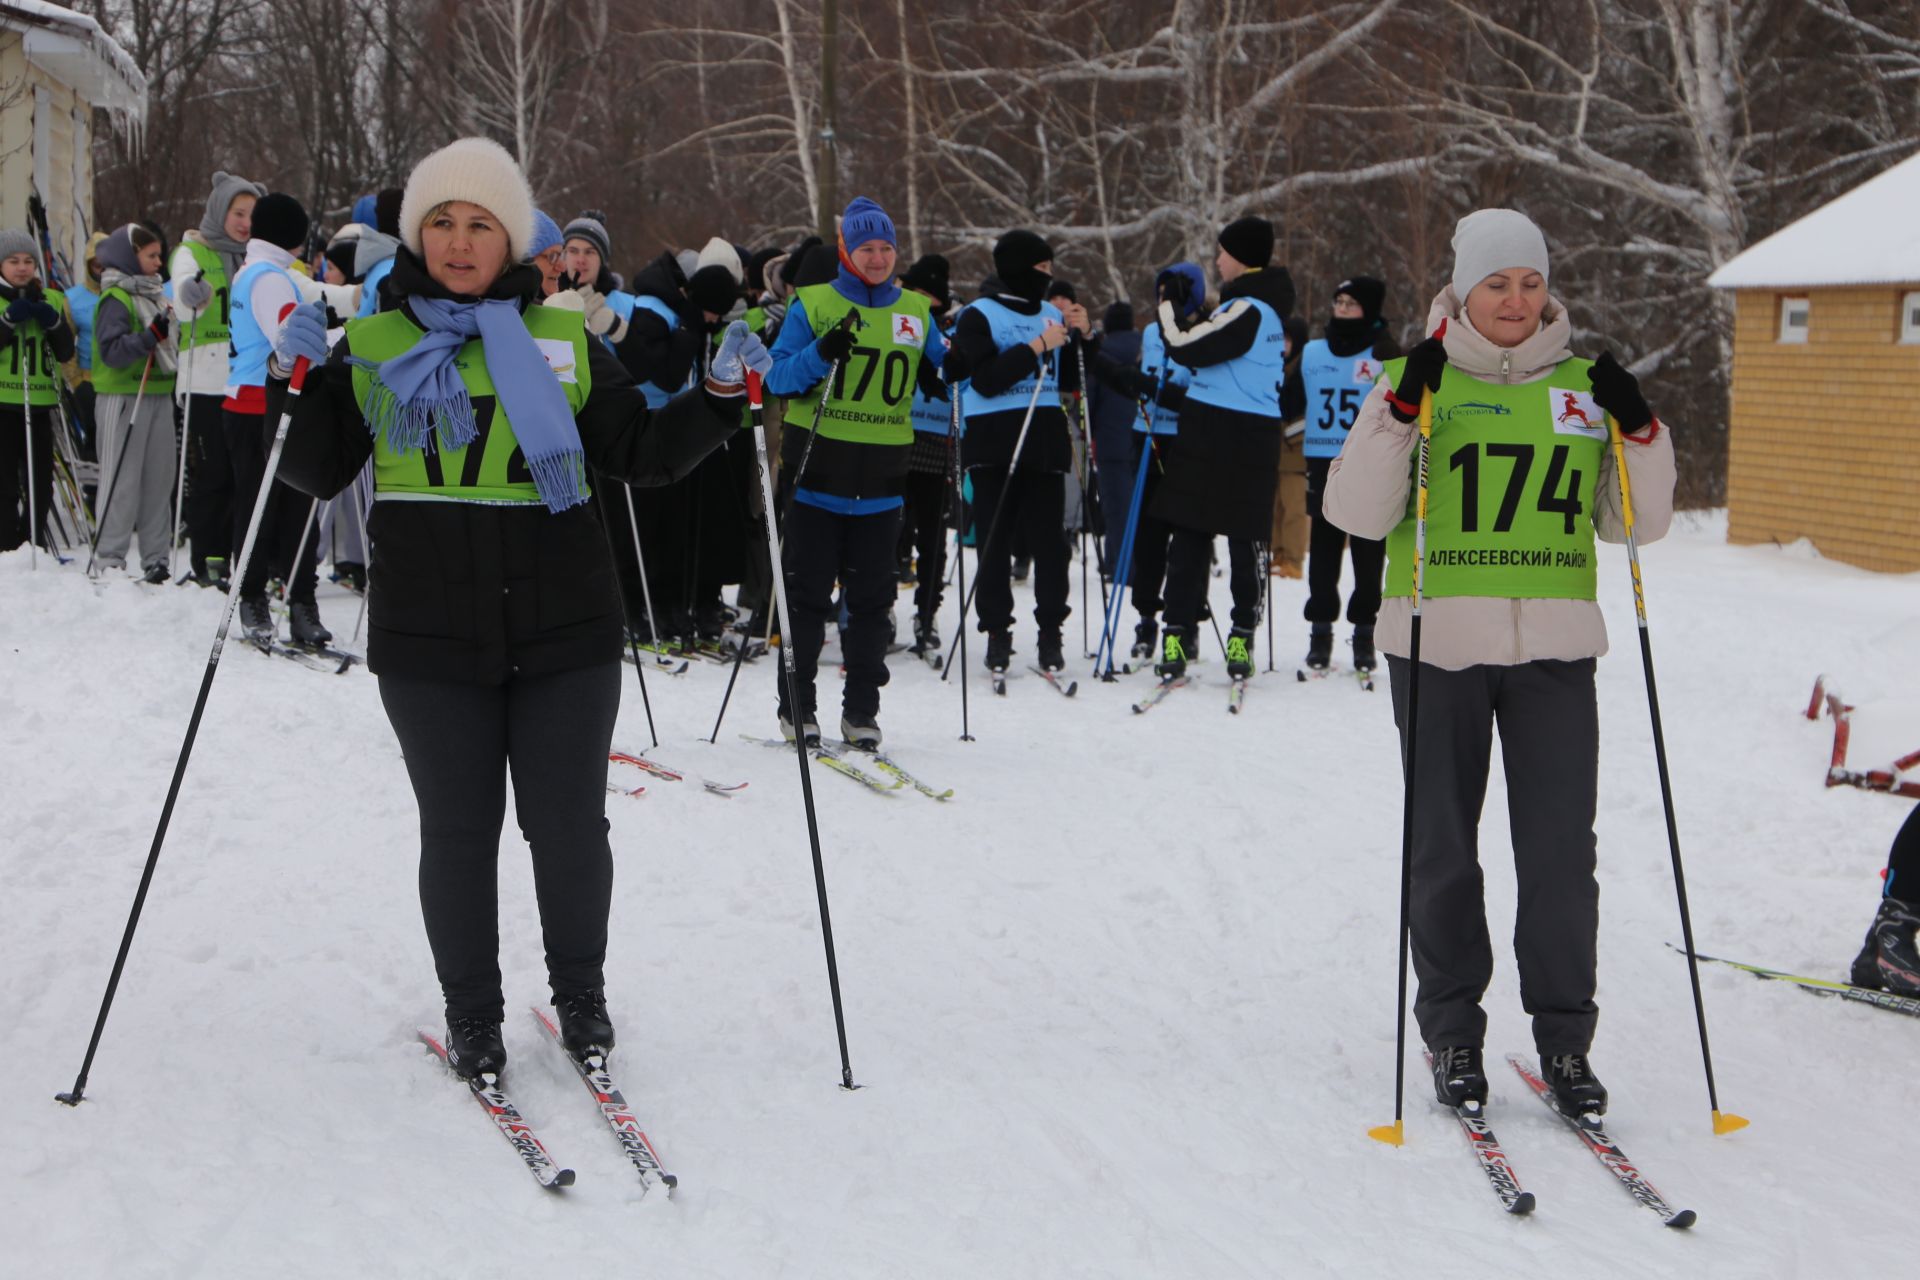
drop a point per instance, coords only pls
(1519, 457)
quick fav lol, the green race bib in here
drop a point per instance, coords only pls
(1510, 486)
(871, 401)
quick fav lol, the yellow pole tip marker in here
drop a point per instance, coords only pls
(1394, 1135)
(1727, 1122)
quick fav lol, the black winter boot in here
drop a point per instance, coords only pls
(1364, 658)
(474, 1047)
(1052, 651)
(1576, 1090)
(1146, 636)
(1320, 649)
(999, 651)
(584, 1026)
(1459, 1077)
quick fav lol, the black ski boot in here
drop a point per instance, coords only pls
(1459, 1077)
(256, 620)
(584, 1027)
(351, 575)
(1240, 654)
(860, 729)
(1576, 1090)
(1146, 637)
(1890, 961)
(1364, 658)
(999, 651)
(1174, 655)
(157, 574)
(1320, 650)
(474, 1047)
(304, 625)
(1052, 649)
(926, 638)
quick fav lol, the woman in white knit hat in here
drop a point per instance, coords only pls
(494, 625)
(1521, 481)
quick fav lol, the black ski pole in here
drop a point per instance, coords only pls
(1395, 1134)
(851, 319)
(73, 1096)
(1723, 1122)
(26, 423)
(959, 544)
(757, 407)
(1266, 568)
(186, 434)
(1086, 500)
(620, 593)
(1000, 509)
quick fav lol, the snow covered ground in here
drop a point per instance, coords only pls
(1124, 1007)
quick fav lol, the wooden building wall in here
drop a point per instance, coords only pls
(1825, 438)
(46, 143)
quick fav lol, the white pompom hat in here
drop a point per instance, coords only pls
(479, 171)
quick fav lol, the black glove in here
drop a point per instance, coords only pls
(159, 328)
(43, 314)
(1425, 363)
(1618, 392)
(18, 311)
(835, 345)
(1176, 288)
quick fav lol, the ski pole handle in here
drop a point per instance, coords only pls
(754, 389)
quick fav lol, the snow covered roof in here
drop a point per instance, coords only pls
(1870, 235)
(73, 47)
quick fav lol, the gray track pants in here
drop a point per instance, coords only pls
(1550, 748)
(137, 462)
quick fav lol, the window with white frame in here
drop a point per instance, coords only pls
(1910, 317)
(1793, 319)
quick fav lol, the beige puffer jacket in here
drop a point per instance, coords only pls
(1367, 489)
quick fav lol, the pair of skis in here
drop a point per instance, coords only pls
(833, 758)
(513, 1126)
(665, 774)
(1362, 676)
(1493, 1161)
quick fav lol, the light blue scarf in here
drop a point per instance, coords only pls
(420, 388)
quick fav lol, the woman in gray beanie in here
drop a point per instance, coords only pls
(493, 622)
(1521, 483)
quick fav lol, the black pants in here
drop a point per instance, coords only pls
(1190, 565)
(1148, 574)
(923, 534)
(822, 548)
(280, 524)
(208, 514)
(1036, 503)
(13, 473)
(461, 741)
(1550, 749)
(1326, 547)
(1903, 861)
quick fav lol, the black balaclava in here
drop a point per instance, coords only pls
(1016, 259)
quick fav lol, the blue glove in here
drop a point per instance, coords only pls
(43, 314)
(740, 350)
(18, 311)
(303, 335)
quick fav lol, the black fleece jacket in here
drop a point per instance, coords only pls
(652, 352)
(471, 593)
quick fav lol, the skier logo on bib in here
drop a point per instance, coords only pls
(1363, 372)
(1572, 412)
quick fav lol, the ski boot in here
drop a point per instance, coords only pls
(904, 574)
(1576, 1090)
(860, 729)
(1364, 658)
(1146, 635)
(809, 729)
(585, 1029)
(999, 651)
(1890, 960)
(157, 574)
(1240, 653)
(1459, 1077)
(256, 620)
(1052, 651)
(474, 1047)
(351, 575)
(1022, 567)
(210, 572)
(1174, 655)
(926, 639)
(1320, 649)
(304, 626)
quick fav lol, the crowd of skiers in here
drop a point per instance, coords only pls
(476, 394)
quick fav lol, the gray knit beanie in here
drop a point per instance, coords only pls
(213, 223)
(590, 228)
(1490, 240)
(12, 242)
